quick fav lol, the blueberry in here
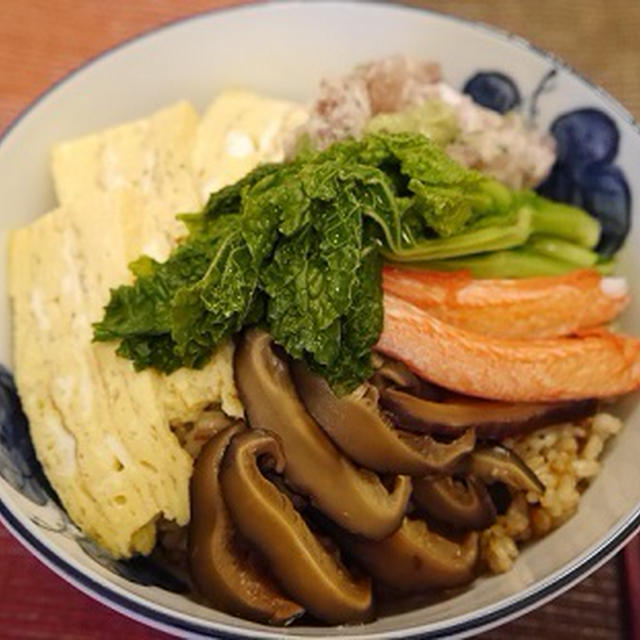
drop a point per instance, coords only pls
(585, 136)
(606, 196)
(493, 90)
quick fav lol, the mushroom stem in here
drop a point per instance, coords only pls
(268, 519)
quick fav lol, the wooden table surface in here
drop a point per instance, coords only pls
(42, 40)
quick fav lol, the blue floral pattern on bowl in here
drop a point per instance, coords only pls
(21, 469)
(139, 569)
(493, 90)
(587, 141)
(18, 463)
(584, 174)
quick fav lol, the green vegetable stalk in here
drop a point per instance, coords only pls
(564, 221)
(515, 263)
(491, 238)
(563, 250)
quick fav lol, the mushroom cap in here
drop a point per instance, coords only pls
(224, 569)
(267, 518)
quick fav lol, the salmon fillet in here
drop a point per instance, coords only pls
(542, 307)
(596, 363)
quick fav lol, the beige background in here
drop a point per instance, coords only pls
(41, 40)
(600, 38)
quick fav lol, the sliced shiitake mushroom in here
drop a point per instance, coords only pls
(357, 426)
(462, 503)
(492, 420)
(354, 498)
(226, 572)
(267, 518)
(393, 373)
(414, 558)
(495, 463)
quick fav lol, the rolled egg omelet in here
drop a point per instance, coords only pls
(101, 430)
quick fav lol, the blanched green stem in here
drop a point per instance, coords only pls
(517, 263)
(481, 240)
(501, 197)
(564, 221)
(606, 267)
(563, 250)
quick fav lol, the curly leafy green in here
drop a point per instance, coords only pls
(296, 247)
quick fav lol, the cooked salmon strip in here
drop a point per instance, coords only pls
(597, 363)
(541, 307)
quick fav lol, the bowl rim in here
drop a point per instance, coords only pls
(152, 615)
(160, 616)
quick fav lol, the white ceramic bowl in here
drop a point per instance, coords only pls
(284, 49)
